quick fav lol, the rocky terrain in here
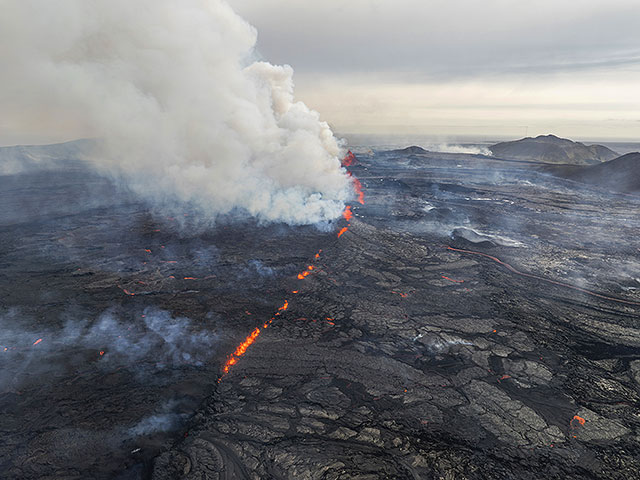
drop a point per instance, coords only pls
(476, 319)
(552, 149)
(621, 174)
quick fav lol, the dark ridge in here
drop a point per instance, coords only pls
(621, 174)
(412, 150)
(552, 149)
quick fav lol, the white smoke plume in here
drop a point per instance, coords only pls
(452, 148)
(182, 110)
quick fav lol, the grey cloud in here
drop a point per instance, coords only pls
(436, 38)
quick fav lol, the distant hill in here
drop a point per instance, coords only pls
(412, 150)
(26, 158)
(621, 174)
(552, 149)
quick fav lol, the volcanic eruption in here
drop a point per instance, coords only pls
(213, 286)
(192, 119)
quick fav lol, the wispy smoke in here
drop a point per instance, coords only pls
(155, 338)
(162, 422)
(450, 148)
(183, 112)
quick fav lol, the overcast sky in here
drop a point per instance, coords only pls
(460, 67)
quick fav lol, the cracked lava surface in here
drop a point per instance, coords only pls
(402, 347)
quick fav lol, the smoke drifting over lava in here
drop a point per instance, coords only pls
(183, 112)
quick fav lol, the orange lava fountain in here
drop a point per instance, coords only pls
(349, 159)
(357, 186)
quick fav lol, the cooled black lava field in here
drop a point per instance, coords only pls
(477, 319)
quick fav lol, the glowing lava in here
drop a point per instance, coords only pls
(347, 214)
(349, 159)
(242, 348)
(306, 273)
(577, 421)
(357, 186)
(37, 341)
(452, 280)
(284, 307)
(126, 292)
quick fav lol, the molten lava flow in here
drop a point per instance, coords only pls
(357, 186)
(240, 350)
(306, 273)
(578, 419)
(452, 280)
(403, 295)
(190, 278)
(543, 279)
(347, 214)
(126, 292)
(349, 159)
(37, 341)
(101, 352)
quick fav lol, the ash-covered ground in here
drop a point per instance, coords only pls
(478, 319)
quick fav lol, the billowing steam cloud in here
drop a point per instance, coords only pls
(184, 113)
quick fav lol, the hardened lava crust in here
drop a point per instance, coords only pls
(478, 318)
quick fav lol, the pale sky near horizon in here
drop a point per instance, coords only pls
(491, 69)
(460, 67)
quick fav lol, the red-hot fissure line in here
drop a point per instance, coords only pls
(349, 160)
(543, 279)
